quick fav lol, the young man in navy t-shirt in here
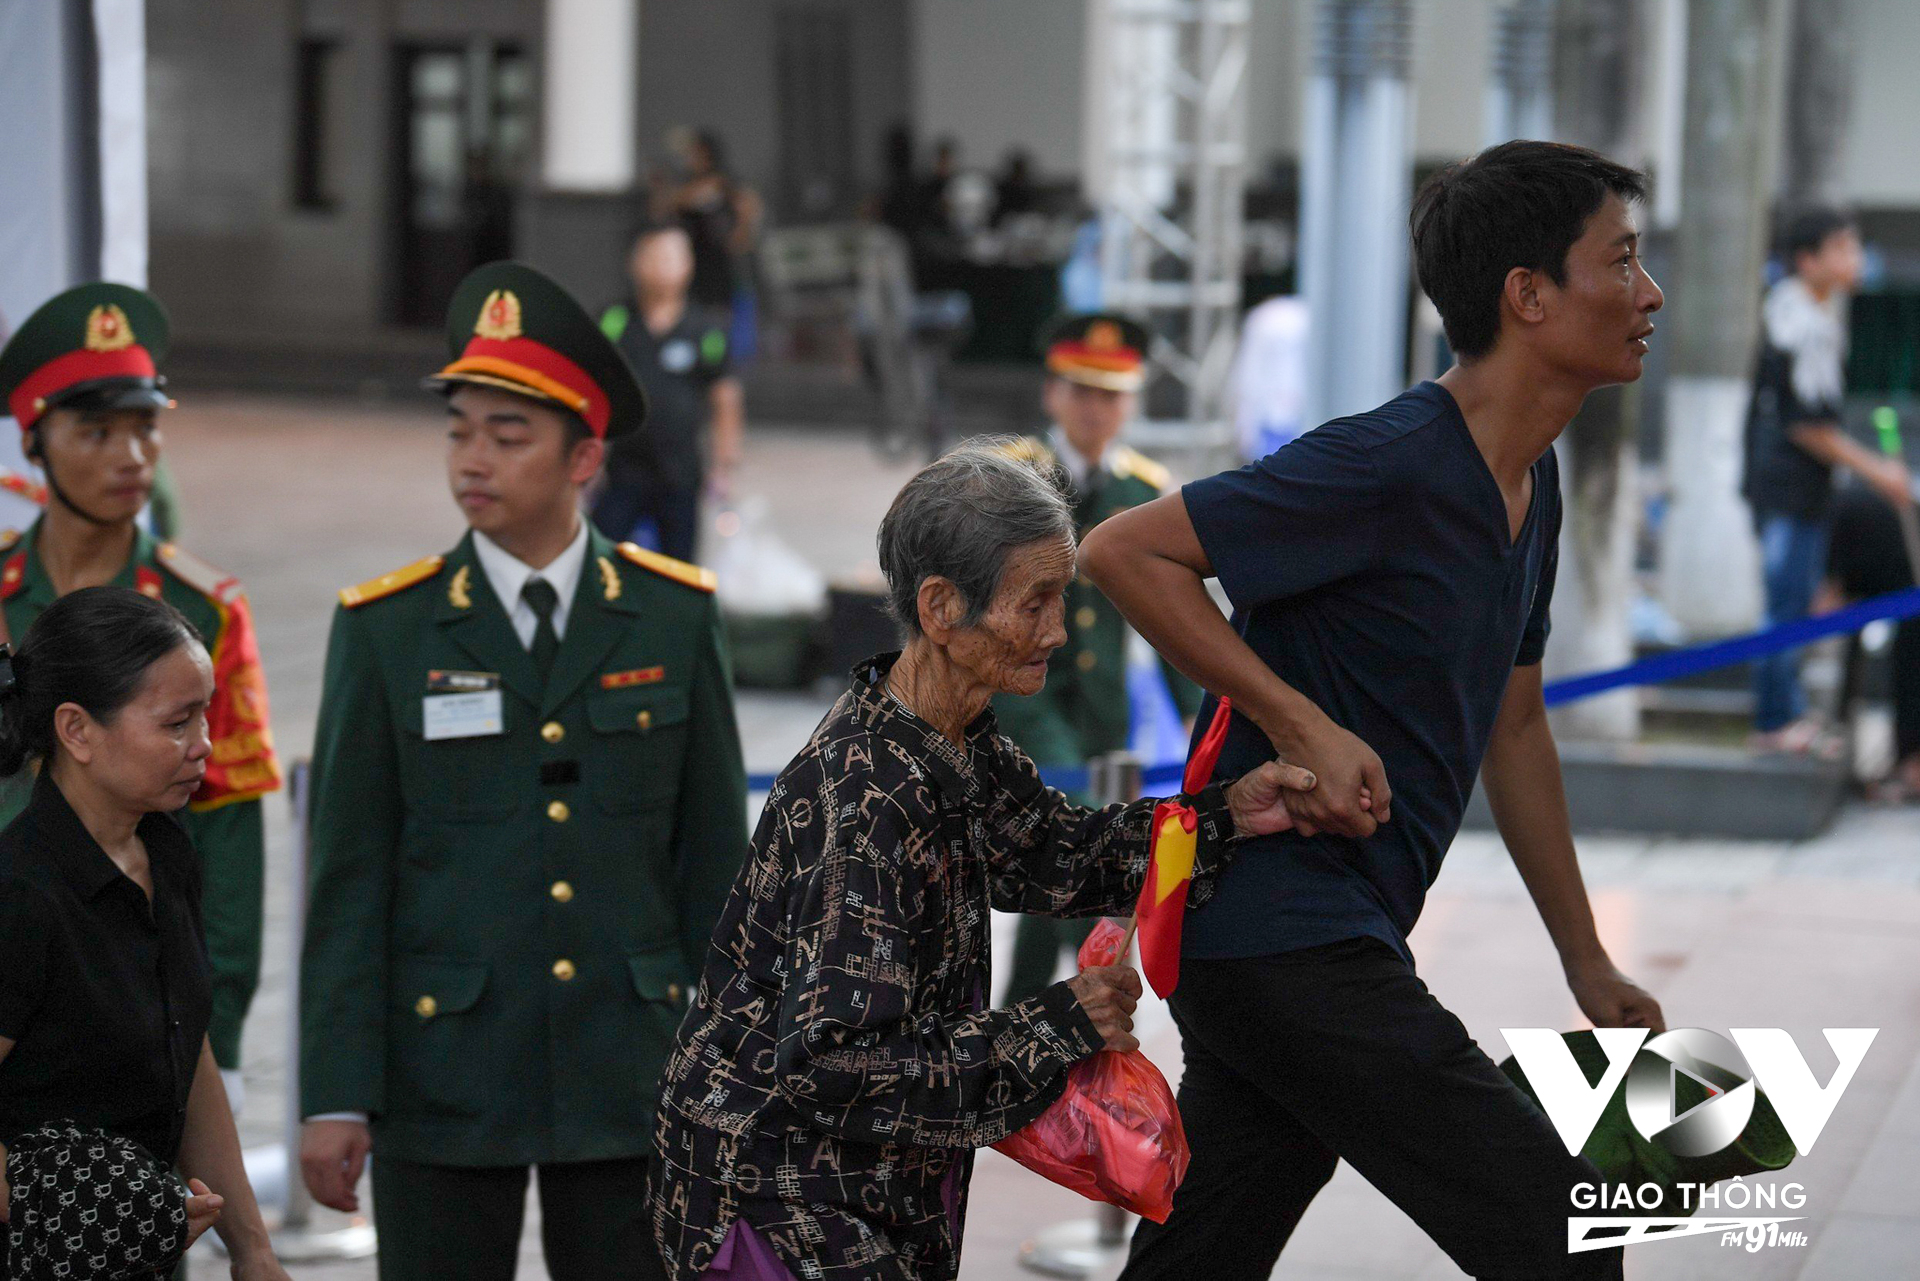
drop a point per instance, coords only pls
(1390, 575)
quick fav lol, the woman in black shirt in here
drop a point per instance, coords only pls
(104, 988)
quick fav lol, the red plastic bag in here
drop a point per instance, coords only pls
(1115, 1135)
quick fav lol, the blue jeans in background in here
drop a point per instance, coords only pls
(1793, 554)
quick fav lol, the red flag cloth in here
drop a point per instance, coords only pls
(1163, 897)
(1115, 1134)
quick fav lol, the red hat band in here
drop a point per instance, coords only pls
(1074, 352)
(29, 399)
(540, 367)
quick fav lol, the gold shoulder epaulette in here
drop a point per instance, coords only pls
(1131, 462)
(396, 581)
(667, 567)
(215, 584)
(1030, 451)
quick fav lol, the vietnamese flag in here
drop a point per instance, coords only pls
(1163, 898)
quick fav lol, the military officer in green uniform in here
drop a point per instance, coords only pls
(528, 807)
(82, 378)
(1095, 368)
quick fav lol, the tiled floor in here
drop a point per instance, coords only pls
(301, 498)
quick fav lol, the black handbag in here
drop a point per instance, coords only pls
(88, 1204)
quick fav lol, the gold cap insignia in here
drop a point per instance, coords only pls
(1104, 335)
(107, 329)
(499, 317)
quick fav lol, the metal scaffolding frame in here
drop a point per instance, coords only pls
(1172, 158)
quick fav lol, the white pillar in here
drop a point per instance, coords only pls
(120, 33)
(590, 82)
(1356, 175)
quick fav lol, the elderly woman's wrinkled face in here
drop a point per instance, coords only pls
(1009, 647)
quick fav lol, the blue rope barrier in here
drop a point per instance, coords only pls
(1738, 649)
(1657, 670)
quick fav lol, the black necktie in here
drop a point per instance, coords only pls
(542, 598)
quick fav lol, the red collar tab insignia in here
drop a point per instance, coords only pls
(107, 329)
(146, 581)
(499, 317)
(638, 676)
(13, 575)
(1104, 336)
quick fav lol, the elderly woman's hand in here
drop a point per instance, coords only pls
(1258, 800)
(1108, 993)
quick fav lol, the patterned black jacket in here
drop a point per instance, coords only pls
(839, 1063)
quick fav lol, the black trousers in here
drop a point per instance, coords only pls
(1297, 1061)
(459, 1223)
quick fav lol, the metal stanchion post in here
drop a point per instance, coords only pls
(1079, 1248)
(297, 1241)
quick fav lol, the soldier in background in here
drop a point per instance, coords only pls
(1096, 365)
(82, 379)
(529, 805)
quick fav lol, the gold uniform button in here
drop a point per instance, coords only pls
(674, 993)
(563, 969)
(1085, 618)
(562, 892)
(644, 720)
(559, 812)
(1086, 661)
(426, 1007)
(553, 731)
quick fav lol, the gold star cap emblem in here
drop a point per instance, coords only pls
(107, 329)
(1104, 335)
(499, 317)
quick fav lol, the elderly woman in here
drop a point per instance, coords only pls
(839, 1064)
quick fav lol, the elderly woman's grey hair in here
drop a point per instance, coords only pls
(960, 517)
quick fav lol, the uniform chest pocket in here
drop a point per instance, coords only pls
(469, 779)
(640, 742)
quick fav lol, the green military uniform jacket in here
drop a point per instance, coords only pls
(502, 930)
(224, 817)
(1084, 710)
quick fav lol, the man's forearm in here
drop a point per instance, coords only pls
(1168, 604)
(1521, 773)
(1828, 443)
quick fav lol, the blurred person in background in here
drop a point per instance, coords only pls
(1096, 365)
(82, 378)
(106, 995)
(528, 803)
(721, 216)
(680, 353)
(840, 1063)
(1014, 189)
(1794, 440)
(1867, 556)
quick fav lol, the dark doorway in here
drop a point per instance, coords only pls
(464, 123)
(814, 83)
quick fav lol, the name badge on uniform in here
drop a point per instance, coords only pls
(462, 705)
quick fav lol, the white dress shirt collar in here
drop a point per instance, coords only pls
(1076, 464)
(507, 574)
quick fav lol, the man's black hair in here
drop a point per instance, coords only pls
(1807, 230)
(1520, 204)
